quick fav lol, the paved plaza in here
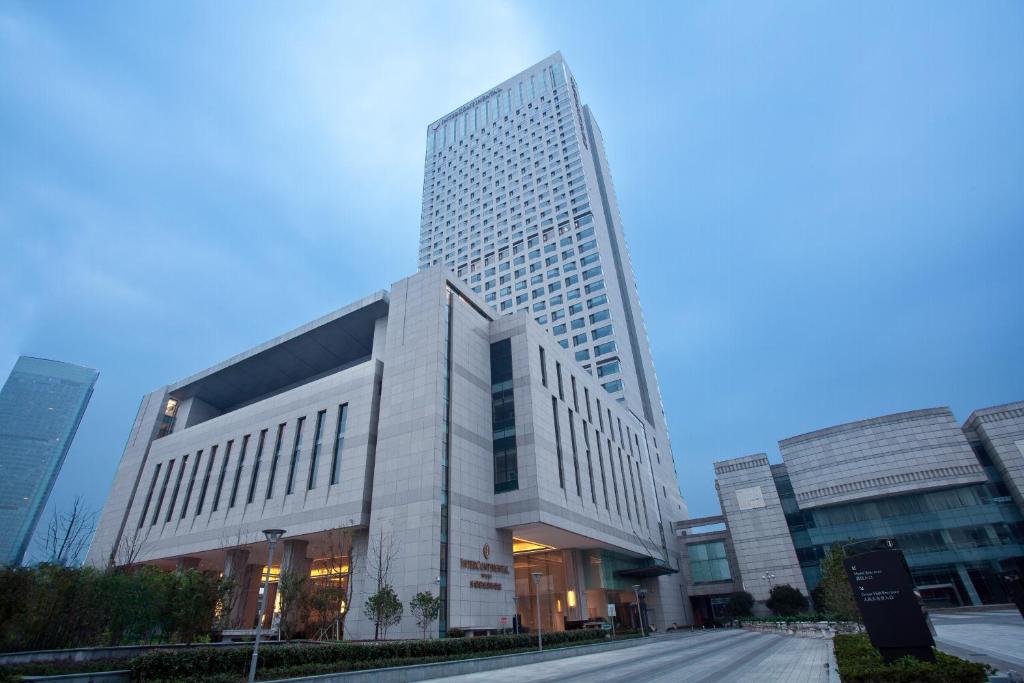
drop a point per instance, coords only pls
(722, 656)
(992, 637)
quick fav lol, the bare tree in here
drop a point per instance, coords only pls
(68, 535)
(331, 594)
(128, 550)
(382, 554)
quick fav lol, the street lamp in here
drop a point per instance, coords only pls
(769, 577)
(273, 536)
(639, 612)
(536, 589)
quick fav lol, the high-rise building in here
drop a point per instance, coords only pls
(41, 405)
(491, 463)
(518, 201)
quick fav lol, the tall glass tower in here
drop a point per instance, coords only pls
(518, 201)
(41, 405)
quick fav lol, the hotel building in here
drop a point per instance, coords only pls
(489, 447)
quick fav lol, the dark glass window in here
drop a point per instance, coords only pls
(274, 460)
(339, 442)
(256, 467)
(558, 442)
(206, 481)
(191, 483)
(296, 452)
(318, 435)
(238, 471)
(177, 487)
(223, 472)
(503, 414)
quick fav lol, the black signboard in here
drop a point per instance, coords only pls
(892, 614)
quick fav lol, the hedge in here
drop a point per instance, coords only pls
(860, 662)
(186, 664)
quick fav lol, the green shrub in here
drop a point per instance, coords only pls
(740, 604)
(860, 662)
(183, 665)
(786, 601)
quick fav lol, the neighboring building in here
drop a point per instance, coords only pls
(518, 200)
(949, 496)
(41, 405)
(470, 443)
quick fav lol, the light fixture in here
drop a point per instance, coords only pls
(273, 536)
(570, 597)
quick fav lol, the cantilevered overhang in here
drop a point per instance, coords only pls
(655, 568)
(314, 349)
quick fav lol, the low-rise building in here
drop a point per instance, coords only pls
(949, 494)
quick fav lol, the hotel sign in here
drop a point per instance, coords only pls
(487, 571)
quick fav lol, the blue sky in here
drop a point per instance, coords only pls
(824, 202)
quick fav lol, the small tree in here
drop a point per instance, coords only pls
(740, 604)
(786, 601)
(293, 588)
(836, 594)
(384, 609)
(425, 608)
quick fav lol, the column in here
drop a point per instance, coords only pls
(236, 568)
(186, 563)
(293, 558)
(968, 584)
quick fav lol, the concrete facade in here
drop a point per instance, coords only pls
(757, 526)
(1000, 431)
(948, 495)
(886, 455)
(250, 443)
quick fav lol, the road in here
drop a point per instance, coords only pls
(721, 656)
(990, 636)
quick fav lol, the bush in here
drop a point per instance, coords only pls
(860, 662)
(52, 606)
(786, 601)
(740, 604)
(184, 665)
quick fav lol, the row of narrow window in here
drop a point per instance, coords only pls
(628, 438)
(222, 475)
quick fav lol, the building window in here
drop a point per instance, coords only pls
(223, 472)
(238, 471)
(177, 487)
(503, 414)
(339, 442)
(274, 460)
(206, 481)
(163, 490)
(558, 442)
(558, 372)
(543, 368)
(575, 454)
(149, 496)
(296, 452)
(590, 462)
(256, 467)
(191, 483)
(318, 435)
(708, 562)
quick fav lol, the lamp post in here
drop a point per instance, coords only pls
(536, 589)
(769, 577)
(273, 536)
(639, 612)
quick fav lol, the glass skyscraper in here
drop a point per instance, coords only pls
(41, 405)
(518, 201)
